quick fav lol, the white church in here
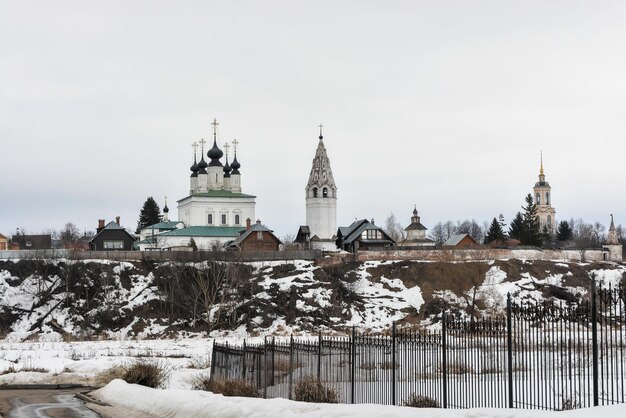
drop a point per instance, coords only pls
(213, 213)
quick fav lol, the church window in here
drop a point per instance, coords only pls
(324, 192)
(549, 221)
(538, 197)
(237, 220)
(547, 198)
(224, 219)
(314, 191)
(210, 219)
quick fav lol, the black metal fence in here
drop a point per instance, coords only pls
(542, 356)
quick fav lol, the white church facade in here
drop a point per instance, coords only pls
(214, 212)
(543, 199)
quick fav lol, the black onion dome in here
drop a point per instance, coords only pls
(215, 154)
(194, 168)
(235, 165)
(227, 169)
(202, 165)
(166, 209)
(415, 211)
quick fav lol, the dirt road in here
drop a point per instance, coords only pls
(43, 403)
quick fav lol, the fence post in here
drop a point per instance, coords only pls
(243, 362)
(213, 359)
(290, 366)
(393, 363)
(319, 356)
(352, 363)
(509, 344)
(265, 367)
(444, 359)
(594, 334)
(273, 360)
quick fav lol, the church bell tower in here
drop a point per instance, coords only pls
(543, 199)
(321, 198)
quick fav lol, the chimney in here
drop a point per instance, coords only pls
(373, 221)
(248, 224)
(100, 224)
(258, 221)
(117, 220)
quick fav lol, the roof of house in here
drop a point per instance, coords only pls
(163, 225)
(112, 226)
(257, 227)
(218, 193)
(354, 231)
(456, 239)
(204, 231)
(3, 236)
(416, 225)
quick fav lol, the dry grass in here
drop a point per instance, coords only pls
(199, 362)
(226, 387)
(311, 389)
(13, 369)
(153, 374)
(106, 376)
(421, 401)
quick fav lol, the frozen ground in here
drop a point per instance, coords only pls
(188, 403)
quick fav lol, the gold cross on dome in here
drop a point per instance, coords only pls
(195, 147)
(202, 142)
(226, 147)
(214, 123)
(235, 143)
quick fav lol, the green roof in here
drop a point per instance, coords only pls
(220, 193)
(163, 225)
(205, 231)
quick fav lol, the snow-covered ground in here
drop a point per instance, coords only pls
(188, 403)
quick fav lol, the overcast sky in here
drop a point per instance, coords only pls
(443, 104)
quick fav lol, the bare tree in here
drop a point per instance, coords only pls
(70, 234)
(394, 228)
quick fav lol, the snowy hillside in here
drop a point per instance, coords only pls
(59, 299)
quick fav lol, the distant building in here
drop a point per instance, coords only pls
(4, 243)
(213, 213)
(256, 237)
(460, 241)
(416, 233)
(613, 245)
(321, 201)
(543, 199)
(363, 234)
(111, 237)
(33, 242)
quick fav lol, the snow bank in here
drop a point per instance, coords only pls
(187, 403)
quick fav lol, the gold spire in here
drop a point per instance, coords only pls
(541, 169)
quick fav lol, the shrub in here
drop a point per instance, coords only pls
(311, 389)
(421, 401)
(199, 362)
(227, 387)
(153, 374)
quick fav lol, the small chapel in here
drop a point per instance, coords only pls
(214, 212)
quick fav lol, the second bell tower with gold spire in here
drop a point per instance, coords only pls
(543, 199)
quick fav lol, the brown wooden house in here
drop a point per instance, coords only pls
(4, 243)
(256, 237)
(461, 241)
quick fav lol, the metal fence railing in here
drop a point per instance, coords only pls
(540, 356)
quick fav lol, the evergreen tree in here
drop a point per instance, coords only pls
(531, 234)
(503, 226)
(517, 227)
(193, 245)
(564, 232)
(150, 214)
(495, 232)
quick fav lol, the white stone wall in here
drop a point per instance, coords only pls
(321, 216)
(235, 183)
(203, 243)
(215, 178)
(194, 210)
